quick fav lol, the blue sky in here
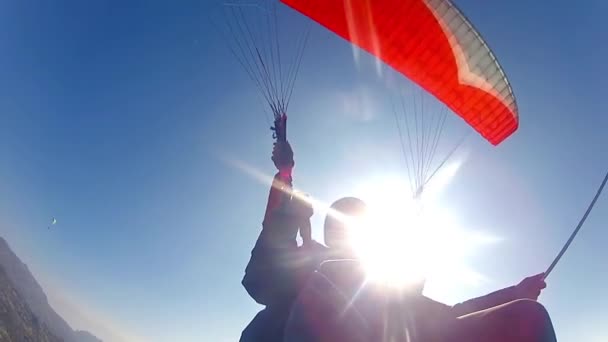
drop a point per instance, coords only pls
(118, 118)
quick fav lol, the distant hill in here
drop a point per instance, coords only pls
(17, 322)
(31, 292)
(85, 336)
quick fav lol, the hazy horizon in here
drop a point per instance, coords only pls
(125, 122)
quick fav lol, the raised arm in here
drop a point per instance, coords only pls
(281, 187)
(273, 272)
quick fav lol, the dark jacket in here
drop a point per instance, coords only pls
(278, 268)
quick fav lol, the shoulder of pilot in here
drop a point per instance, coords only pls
(315, 249)
(316, 245)
(439, 309)
(338, 266)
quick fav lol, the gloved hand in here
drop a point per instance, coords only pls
(531, 287)
(282, 156)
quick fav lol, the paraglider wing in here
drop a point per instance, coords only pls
(53, 222)
(434, 45)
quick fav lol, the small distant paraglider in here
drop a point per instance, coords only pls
(53, 222)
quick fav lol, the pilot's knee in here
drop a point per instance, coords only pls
(529, 309)
(528, 305)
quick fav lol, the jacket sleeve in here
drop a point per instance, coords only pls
(485, 302)
(276, 263)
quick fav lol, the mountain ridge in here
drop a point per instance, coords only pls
(33, 294)
(17, 322)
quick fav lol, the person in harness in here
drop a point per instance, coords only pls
(338, 303)
(279, 268)
(318, 292)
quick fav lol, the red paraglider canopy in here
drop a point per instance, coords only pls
(434, 45)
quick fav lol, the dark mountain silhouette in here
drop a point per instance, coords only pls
(85, 336)
(32, 293)
(17, 322)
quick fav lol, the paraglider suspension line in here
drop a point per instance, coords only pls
(577, 229)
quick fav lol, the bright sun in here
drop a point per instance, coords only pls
(402, 241)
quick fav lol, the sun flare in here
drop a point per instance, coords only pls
(403, 242)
